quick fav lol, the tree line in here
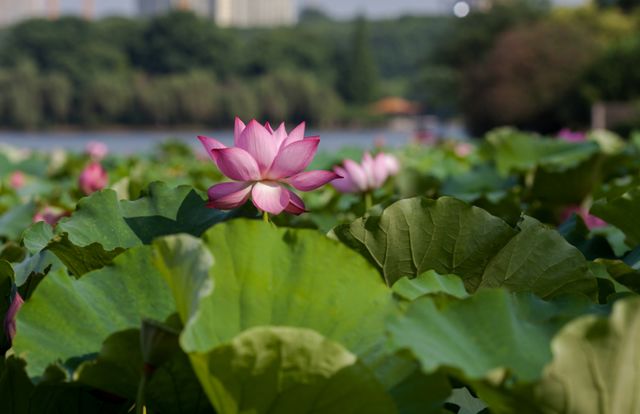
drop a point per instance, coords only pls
(180, 69)
(523, 64)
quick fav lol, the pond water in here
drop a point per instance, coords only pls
(127, 142)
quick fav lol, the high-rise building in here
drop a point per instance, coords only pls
(240, 13)
(253, 13)
(12, 11)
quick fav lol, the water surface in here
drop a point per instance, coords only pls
(128, 142)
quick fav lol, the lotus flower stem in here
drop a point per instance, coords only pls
(265, 217)
(368, 201)
(140, 407)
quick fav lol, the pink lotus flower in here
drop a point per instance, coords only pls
(380, 142)
(93, 178)
(97, 150)
(463, 149)
(50, 216)
(17, 180)
(368, 176)
(263, 163)
(571, 136)
(590, 220)
(9, 323)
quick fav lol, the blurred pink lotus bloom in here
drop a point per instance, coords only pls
(96, 150)
(93, 178)
(9, 323)
(463, 149)
(263, 163)
(590, 220)
(49, 215)
(571, 136)
(17, 180)
(371, 174)
(380, 142)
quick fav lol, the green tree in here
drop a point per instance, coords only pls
(525, 78)
(67, 45)
(154, 100)
(359, 81)
(106, 99)
(614, 75)
(466, 41)
(311, 14)
(434, 86)
(294, 48)
(20, 96)
(626, 5)
(57, 97)
(239, 99)
(196, 95)
(273, 99)
(295, 96)
(180, 42)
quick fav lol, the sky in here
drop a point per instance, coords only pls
(337, 8)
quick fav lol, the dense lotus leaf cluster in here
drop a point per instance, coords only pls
(501, 276)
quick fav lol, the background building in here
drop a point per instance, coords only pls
(12, 11)
(240, 13)
(249, 13)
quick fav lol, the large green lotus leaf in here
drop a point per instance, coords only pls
(623, 277)
(12, 252)
(633, 258)
(37, 237)
(490, 331)
(15, 221)
(451, 237)
(538, 259)
(99, 219)
(30, 272)
(621, 211)
(568, 185)
(483, 179)
(74, 398)
(166, 210)
(102, 227)
(15, 386)
(68, 318)
(6, 297)
(6, 166)
(248, 273)
(517, 151)
(429, 283)
(596, 365)
(416, 235)
(576, 232)
(413, 391)
(484, 187)
(288, 370)
(80, 260)
(171, 388)
(467, 403)
(262, 275)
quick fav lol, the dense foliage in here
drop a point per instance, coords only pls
(179, 69)
(502, 276)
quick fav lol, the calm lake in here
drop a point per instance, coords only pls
(126, 142)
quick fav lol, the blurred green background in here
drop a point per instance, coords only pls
(525, 63)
